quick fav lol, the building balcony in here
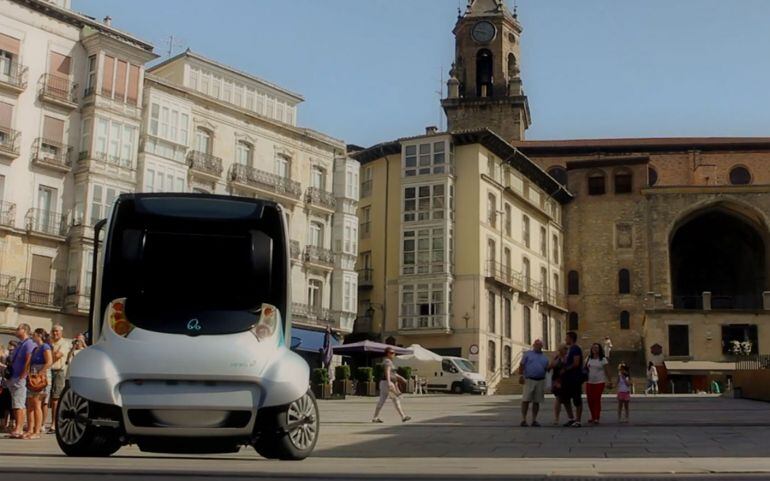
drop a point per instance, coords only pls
(45, 222)
(7, 214)
(426, 324)
(366, 278)
(7, 288)
(58, 90)
(319, 256)
(365, 230)
(555, 299)
(295, 250)
(263, 182)
(204, 165)
(39, 293)
(308, 314)
(14, 79)
(503, 274)
(49, 154)
(9, 143)
(321, 199)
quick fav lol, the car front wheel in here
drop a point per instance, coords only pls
(75, 434)
(289, 432)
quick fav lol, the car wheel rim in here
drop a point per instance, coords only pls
(71, 424)
(302, 414)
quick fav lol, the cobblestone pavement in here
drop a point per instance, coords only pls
(453, 437)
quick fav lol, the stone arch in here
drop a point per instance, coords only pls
(722, 247)
(485, 65)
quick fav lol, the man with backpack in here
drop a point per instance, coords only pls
(573, 377)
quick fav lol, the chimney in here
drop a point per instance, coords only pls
(108, 21)
(431, 129)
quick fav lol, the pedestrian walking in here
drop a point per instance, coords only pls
(652, 379)
(532, 369)
(598, 378)
(557, 368)
(624, 392)
(38, 383)
(17, 378)
(607, 346)
(388, 387)
(60, 349)
(572, 382)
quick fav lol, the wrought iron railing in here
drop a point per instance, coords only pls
(555, 298)
(435, 321)
(311, 314)
(365, 277)
(43, 293)
(16, 76)
(204, 162)
(52, 153)
(105, 157)
(7, 213)
(319, 255)
(44, 222)
(9, 141)
(753, 363)
(57, 87)
(265, 180)
(505, 275)
(296, 251)
(314, 195)
(7, 287)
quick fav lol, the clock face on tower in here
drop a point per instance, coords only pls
(483, 32)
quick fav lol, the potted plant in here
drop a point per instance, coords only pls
(406, 373)
(365, 385)
(343, 386)
(320, 382)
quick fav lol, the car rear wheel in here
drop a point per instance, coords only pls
(75, 434)
(289, 432)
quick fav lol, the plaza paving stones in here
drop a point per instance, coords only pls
(473, 437)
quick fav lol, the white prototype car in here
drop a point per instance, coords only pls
(189, 320)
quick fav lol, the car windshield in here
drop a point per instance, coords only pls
(205, 259)
(464, 365)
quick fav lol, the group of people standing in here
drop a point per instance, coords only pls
(570, 369)
(34, 373)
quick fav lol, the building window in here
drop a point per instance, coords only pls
(203, 141)
(526, 273)
(366, 222)
(678, 340)
(544, 279)
(491, 252)
(318, 178)
(740, 176)
(555, 248)
(366, 182)
(573, 283)
(91, 76)
(102, 198)
(573, 321)
(652, 176)
(546, 331)
(527, 319)
(491, 317)
(506, 261)
(543, 242)
(425, 159)
(314, 291)
(316, 234)
(423, 251)
(624, 281)
(623, 181)
(492, 210)
(507, 321)
(424, 202)
(156, 180)
(559, 174)
(508, 220)
(625, 320)
(491, 357)
(243, 153)
(282, 166)
(525, 230)
(556, 287)
(596, 184)
(115, 142)
(740, 339)
(423, 306)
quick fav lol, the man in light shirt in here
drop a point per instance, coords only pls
(60, 349)
(533, 367)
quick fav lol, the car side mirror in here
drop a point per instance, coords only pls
(295, 342)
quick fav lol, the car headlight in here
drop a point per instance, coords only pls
(269, 319)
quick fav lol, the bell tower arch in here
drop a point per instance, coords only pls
(485, 88)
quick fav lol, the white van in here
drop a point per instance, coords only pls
(190, 317)
(443, 373)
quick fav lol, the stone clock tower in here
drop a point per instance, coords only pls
(485, 88)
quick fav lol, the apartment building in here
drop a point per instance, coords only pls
(467, 258)
(81, 123)
(70, 110)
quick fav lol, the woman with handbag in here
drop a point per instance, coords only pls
(38, 383)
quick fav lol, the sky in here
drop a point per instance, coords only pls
(371, 70)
